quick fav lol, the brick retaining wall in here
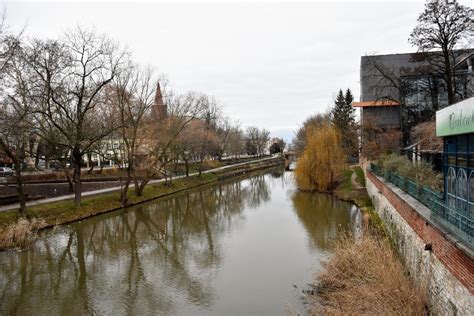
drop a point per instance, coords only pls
(447, 270)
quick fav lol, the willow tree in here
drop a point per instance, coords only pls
(323, 160)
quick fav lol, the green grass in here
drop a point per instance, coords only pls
(346, 183)
(346, 191)
(360, 176)
(65, 211)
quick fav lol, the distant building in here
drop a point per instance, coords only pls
(382, 113)
(110, 151)
(160, 109)
(400, 90)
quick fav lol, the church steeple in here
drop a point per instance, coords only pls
(159, 107)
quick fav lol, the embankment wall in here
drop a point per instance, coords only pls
(443, 268)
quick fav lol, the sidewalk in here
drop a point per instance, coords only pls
(118, 188)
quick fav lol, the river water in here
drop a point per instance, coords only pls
(245, 247)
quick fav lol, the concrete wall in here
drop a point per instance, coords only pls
(447, 271)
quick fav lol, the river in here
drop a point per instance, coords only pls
(243, 247)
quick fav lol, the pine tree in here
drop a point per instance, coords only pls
(343, 119)
(338, 116)
(348, 98)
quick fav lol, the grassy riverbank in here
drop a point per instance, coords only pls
(364, 276)
(18, 232)
(15, 232)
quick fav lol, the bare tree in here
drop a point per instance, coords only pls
(310, 124)
(15, 113)
(14, 129)
(156, 151)
(74, 74)
(207, 132)
(442, 26)
(133, 95)
(257, 140)
(235, 141)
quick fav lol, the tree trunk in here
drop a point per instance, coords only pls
(141, 187)
(69, 180)
(124, 193)
(449, 77)
(19, 188)
(91, 163)
(77, 159)
(187, 167)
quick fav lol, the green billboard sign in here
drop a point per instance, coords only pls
(456, 119)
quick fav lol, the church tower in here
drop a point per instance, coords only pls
(160, 110)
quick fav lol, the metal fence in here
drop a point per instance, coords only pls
(456, 221)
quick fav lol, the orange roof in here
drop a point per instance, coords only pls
(375, 103)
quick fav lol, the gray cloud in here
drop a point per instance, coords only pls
(270, 64)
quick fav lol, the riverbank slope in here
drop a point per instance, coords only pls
(364, 275)
(16, 232)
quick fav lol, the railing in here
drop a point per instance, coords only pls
(457, 221)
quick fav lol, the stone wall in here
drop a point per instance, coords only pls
(446, 272)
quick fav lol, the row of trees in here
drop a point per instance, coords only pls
(62, 99)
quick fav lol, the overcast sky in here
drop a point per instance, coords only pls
(269, 64)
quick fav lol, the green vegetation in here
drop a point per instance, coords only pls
(346, 183)
(360, 176)
(347, 192)
(420, 172)
(343, 119)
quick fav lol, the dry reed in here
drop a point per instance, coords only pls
(20, 234)
(365, 277)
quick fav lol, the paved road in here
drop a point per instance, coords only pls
(113, 189)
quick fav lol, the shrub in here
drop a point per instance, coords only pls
(420, 172)
(210, 164)
(20, 233)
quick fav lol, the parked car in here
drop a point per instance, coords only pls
(5, 172)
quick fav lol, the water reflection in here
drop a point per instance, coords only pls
(173, 256)
(317, 211)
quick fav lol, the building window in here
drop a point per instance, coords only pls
(471, 191)
(462, 189)
(450, 150)
(462, 151)
(471, 151)
(451, 186)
